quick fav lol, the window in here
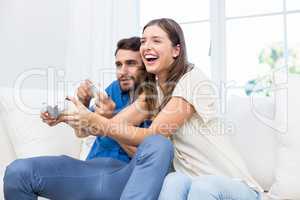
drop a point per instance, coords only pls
(293, 34)
(246, 39)
(181, 11)
(261, 37)
(292, 5)
(236, 8)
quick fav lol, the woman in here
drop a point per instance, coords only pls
(207, 167)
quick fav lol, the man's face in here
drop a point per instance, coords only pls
(129, 68)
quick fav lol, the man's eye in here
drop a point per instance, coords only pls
(131, 63)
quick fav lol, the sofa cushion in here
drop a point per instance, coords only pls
(28, 135)
(7, 152)
(255, 141)
(287, 173)
(86, 146)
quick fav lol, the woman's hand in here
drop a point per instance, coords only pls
(78, 119)
(105, 106)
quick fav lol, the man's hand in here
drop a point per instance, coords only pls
(105, 106)
(84, 92)
(49, 120)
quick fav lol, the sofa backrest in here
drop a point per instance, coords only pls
(28, 135)
(256, 142)
(7, 153)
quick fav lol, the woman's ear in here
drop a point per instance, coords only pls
(176, 51)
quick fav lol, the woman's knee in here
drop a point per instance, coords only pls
(218, 187)
(177, 180)
(176, 186)
(204, 187)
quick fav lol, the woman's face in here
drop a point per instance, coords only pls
(157, 50)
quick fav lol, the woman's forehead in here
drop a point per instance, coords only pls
(154, 31)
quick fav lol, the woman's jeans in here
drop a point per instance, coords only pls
(65, 178)
(178, 186)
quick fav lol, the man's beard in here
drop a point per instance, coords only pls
(131, 80)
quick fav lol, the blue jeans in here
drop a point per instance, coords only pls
(65, 178)
(178, 186)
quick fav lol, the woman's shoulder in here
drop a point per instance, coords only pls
(194, 75)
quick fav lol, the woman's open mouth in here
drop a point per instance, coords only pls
(150, 59)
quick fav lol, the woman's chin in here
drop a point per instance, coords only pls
(152, 69)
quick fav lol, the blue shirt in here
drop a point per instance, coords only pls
(105, 146)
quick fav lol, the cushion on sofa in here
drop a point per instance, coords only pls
(287, 173)
(7, 153)
(28, 135)
(254, 140)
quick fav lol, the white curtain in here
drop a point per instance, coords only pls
(95, 28)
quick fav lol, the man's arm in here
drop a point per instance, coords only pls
(130, 150)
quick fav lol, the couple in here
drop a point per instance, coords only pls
(180, 102)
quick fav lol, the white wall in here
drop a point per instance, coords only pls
(75, 36)
(33, 34)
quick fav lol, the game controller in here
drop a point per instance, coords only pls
(55, 111)
(95, 91)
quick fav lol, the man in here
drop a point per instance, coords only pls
(105, 177)
(130, 72)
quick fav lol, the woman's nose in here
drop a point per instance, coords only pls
(147, 46)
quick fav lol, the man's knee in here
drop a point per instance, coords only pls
(17, 171)
(157, 145)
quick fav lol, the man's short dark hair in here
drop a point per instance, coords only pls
(132, 44)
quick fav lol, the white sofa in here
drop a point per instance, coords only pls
(24, 135)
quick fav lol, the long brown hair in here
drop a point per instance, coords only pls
(180, 65)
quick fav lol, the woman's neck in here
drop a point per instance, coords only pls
(161, 80)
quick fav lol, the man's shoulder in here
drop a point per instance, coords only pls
(113, 87)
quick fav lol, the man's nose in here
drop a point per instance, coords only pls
(123, 69)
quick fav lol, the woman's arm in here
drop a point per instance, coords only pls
(172, 116)
(134, 114)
